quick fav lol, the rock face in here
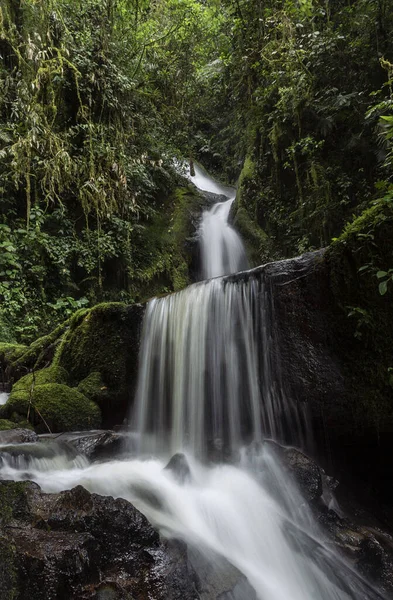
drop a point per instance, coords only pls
(338, 378)
(76, 545)
(356, 535)
(88, 381)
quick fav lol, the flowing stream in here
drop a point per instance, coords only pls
(210, 388)
(222, 250)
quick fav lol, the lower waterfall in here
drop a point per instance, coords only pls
(209, 375)
(210, 387)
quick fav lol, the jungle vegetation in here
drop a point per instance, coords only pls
(97, 99)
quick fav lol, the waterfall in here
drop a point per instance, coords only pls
(210, 385)
(221, 248)
(209, 376)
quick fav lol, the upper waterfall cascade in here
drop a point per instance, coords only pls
(221, 248)
(210, 386)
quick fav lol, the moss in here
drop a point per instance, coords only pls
(52, 374)
(8, 575)
(60, 407)
(10, 352)
(167, 253)
(42, 350)
(94, 388)
(12, 502)
(257, 242)
(104, 340)
(5, 425)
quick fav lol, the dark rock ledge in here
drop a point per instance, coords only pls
(77, 545)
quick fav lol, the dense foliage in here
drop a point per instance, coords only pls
(97, 97)
(95, 101)
(311, 85)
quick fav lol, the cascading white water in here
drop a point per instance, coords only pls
(250, 514)
(208, 371)
(222, 250)
(3, 398)
(209, 382)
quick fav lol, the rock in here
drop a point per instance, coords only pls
(53, 405)
(306, 473)
(52, 374)
(179, 467)
(96, 444)
(100, 354)
(18, 436)
(76, 546)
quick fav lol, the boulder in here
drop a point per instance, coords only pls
(76, 546)
(95, 445)
(18, 436)
(54, 407)
(100, 354)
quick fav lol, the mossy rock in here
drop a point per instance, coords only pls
(17, 359)
(104, 340)
(167, 257)
(40, 352)
(52, 374)
(244, 216)
(363, 319)
(9, 353)
(55, 405)
(94, 388)
(5, 425)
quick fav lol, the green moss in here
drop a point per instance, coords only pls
(94, 388)
(5, 425)
(60, 407)
(52, 374)
(257, 242)
(12, 500)
(166, 253)
(11, 352)
(104, 340)
(41, 350)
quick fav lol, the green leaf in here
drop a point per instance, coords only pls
(381, 274)
(383, 287)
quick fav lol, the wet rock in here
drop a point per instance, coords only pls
(179, 467)
(96, 444)
(306, 473)
(219, 580)
(76, 545)
(18, 436)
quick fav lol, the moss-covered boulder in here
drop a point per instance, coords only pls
(52, 374)
(94, 388)
(168, 257)
(9, 354)
(100, 354)
(16, 359)
(5, 425)
(53, 406)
